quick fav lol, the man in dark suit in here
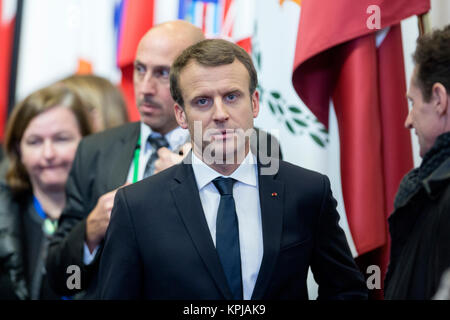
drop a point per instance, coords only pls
(223, 225)
(108, 160)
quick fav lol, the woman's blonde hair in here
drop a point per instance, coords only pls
(101, 96)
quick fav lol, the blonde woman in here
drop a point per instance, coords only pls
(105, 101)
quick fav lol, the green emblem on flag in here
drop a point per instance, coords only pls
(297, 119)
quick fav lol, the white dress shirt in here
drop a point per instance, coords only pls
(248, 210)
(176, 138)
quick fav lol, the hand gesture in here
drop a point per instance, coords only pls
(167, 158)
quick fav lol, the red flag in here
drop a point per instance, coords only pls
(337, 58)
(7, 22)
(136, 20)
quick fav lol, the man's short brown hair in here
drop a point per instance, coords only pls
(432, 58)
(210, 53)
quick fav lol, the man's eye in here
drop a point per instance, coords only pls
(202, 102)
(164, 73)
(139, 68)
(231, 97)
(161, 74)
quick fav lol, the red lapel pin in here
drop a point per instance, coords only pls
(274, 194)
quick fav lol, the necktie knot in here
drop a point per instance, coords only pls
(224, 185)
(158, 142)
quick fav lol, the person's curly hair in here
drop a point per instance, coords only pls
(432, 58)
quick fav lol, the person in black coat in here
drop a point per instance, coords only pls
(107, 160)
(41, 138)
(420, 223)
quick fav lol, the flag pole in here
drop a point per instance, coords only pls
(423, 21)
(15, 56)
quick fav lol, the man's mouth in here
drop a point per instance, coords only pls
(223, 134)
(148, 107)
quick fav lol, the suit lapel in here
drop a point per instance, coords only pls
(187, 200)
(122, 156)
(271, 195)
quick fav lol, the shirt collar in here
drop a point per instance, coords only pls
(176, 138)
(245, 173)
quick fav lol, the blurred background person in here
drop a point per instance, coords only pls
(41, 138)
(105, 101)
(107, 160)
(420, 223)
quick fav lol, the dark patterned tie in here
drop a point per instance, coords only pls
(156, 143)
(227, 236)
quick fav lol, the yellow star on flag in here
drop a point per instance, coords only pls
(296, 1)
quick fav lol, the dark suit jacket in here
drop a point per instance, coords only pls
(158, 245)
(101, 165)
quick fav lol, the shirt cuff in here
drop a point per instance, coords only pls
(88, 257)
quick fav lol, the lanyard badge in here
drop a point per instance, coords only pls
(49, 226)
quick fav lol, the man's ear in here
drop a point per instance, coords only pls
(180, 116)
(440, 98)
(255, 103)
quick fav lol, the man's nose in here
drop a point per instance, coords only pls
(220, 111)
(408, 121)
(149, 84)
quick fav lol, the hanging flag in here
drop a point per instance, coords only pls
(61, 38)
(233, 20)
(242, 14)
(7, 22)
(204, 14)
(134, 19)
(351, 52)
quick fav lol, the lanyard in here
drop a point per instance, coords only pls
(38, 208)
(137, 152)
(49, 226)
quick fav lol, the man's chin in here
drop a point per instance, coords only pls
(151, 121)
(147, 118)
